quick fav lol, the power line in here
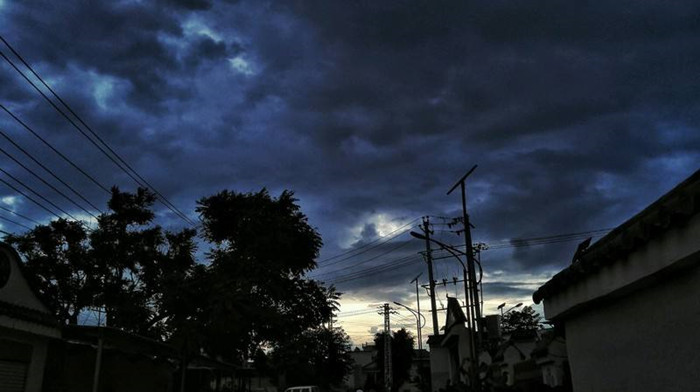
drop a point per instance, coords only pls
(515, 243)
(405, 261)
(15, 222)
(30, 189)
(368, 244)
(51, 172)
(356, 313)
(543, 240)
(163, 199)
(29, 198)
(124, 168)
(49, 145)
(396, 264)
(393, 264)
(45, 182)
(19, 215)
(364, 261)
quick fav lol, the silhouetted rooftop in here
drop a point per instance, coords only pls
(671, 210)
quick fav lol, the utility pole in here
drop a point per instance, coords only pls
(431, 283)
(475, 307)
(386, 310)
(418, 328)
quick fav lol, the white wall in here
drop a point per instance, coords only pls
(17, 290)
(661, 252)
(439, 367)
(647, 341)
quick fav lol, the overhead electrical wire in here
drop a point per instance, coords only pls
(353, 313)
(51, 172)
(54, 149)
(29, 198)
(162, 198)
(125, 167)
(39, 195)
(15, 223)
(401, 245)
(19, 215)
(388, 237)
(402, 262)
(548, 239)
(544, 240)
(393, 265)
(33, 173)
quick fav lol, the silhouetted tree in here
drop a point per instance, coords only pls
(126, 249)
(60, 267)
(524, 320)
(319, 356)
(401, 355)
(252, 294)
(126, 265)
(262, 249)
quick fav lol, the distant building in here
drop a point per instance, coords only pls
(450, 357)
(515, 350)
(552, 360)
(365, 372)
(529, 360)
(629, 303)
(364, 369)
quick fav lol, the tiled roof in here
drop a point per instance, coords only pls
(671, 210)
(27, 314)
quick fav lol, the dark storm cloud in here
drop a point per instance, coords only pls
(578, 115)
(207, 49)
(189, 4)
(507, 289)
(120, 40)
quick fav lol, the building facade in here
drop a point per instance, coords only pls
(629, 304)
(26, 328)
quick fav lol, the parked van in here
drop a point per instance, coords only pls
(305, 388)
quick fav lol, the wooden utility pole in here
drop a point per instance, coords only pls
(418, 327)
(473, 290)
(431, 283)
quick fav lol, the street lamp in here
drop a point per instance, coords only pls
(455, 253)
(418, 317)
(501, 306)
(516, 306)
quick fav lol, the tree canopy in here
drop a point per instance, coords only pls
(59, 261)
(402, 343)
(125, 266)
(250, 291)
(319, 356)
(525, 320)
(262, 248)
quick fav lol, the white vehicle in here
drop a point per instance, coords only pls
(304, 388)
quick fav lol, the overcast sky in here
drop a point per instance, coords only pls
(577, 115)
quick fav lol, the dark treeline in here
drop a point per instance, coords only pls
(248, 297)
